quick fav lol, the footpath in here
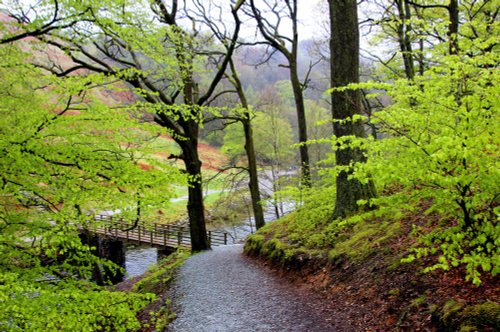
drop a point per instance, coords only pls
(222, 290)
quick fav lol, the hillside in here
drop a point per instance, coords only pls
(357, 268)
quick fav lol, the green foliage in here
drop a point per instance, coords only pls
(319, 130)
(29, 305)
(314, 214)
(64, 157)
(442, 145)
(285, 92)
(230, 208)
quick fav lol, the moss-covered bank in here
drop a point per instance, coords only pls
(357, 264)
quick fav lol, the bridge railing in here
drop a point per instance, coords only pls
(157, 234)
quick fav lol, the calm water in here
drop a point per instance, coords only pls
(138, 259)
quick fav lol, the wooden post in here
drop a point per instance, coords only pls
(164, 238)
(225, 238)
(179, 237)
(209, 238)
(139, 232)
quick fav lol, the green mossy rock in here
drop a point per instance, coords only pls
(456, 316)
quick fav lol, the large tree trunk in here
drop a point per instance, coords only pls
(344, 65)
(195, 206)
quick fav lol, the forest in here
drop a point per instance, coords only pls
(371, 143)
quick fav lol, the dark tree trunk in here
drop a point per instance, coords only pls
(344, 65)
(404, 29)
(302, 123)
(253, 184)
(453, 11)
(195, 206)
(190, 156)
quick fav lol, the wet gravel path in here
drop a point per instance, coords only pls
(222, 290)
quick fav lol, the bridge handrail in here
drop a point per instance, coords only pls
(156, 233)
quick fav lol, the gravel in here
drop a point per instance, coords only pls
(222, 290)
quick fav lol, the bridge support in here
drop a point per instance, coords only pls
(110, 249)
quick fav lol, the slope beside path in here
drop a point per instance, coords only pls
(222, 290)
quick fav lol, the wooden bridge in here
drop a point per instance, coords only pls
(155, 234)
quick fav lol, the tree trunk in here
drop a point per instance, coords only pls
(253, 184)
(453, 11)
(302, 124)
(344, 65)
(404, 29)
(195, 206)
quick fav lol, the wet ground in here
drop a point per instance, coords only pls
(222, 290)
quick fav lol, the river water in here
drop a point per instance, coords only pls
(138, 259)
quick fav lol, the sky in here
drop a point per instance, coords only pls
(311, 17)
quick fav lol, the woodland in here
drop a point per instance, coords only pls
(380, 131)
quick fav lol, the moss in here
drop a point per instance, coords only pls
(274, 249)
(364, 239)
(456, 316)
(418, 301)
(160, 276)
(450, 312)
(482, 315)
(254, 243)
(394, 292)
